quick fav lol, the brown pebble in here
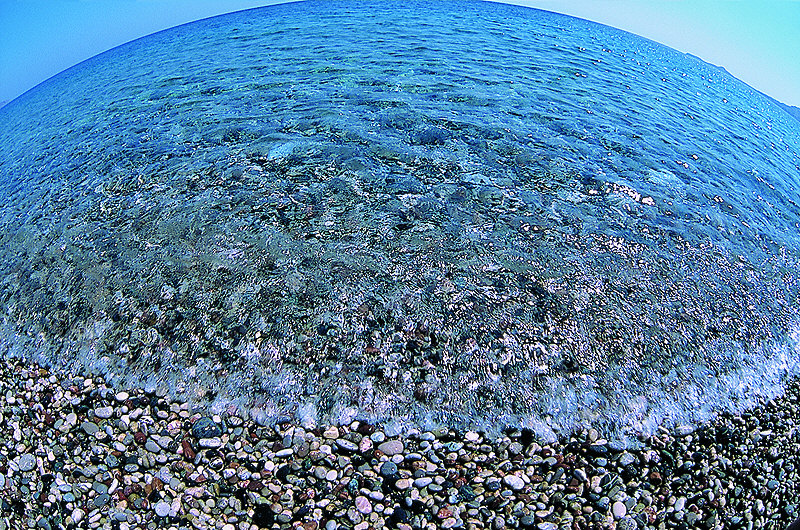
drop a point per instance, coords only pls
(188, 452)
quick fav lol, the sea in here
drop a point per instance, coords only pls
(416, 213)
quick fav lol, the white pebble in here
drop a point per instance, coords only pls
(514, 482)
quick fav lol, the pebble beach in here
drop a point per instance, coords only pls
(75, 453)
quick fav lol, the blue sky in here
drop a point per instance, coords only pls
(758, 41)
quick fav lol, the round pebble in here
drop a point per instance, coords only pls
(363, 505)
(514, 482)
(162, 509)
(391, 447)
(26, 462)
(205, 427)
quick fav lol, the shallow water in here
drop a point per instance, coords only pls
(415, 212)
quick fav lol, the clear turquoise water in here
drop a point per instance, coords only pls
(415, 212)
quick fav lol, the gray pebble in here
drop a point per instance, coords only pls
(347, 445)
(388, 469)
(392, 447)
(104, 412)
(89, 427)
(27, 462)
(102, 500)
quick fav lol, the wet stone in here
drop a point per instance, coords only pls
(205, 428)
(102, 500)
(391, 447)
(626, 523)
(388, 469)
(346, 445)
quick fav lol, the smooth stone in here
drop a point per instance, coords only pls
(331, 433)
(99, 487)
(162, 509)
(26, 462)
(347, 445)
(206, 428)
(89, 427)
(151, 446)
(104, 412)
(210, 443)
(619, 510)
(121, 396)
(363, 505)
(391, 447)
(77, 515)
(626, 459)
(102, 500)
(514, 482)
(377, 437)
(422, 482)
(284, 453)
(626, 523)
(388, 469)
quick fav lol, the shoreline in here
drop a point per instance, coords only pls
(77, 454)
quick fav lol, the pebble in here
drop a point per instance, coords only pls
(363, 505)
(347, 445)
(391, 447)
(26, 462)
(422, 482)
(210, 443)
(388, 469)
(162, 509)
(89, 427)
(205, 427)
(104, 412)
(619, 510)
(77, 515)
(514, 482)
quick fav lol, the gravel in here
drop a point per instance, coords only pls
(149, 462)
